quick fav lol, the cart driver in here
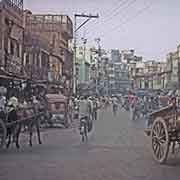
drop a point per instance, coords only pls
(12, 108)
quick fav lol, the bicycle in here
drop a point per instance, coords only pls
(83, 129)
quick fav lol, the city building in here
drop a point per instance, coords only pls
(84, 64)
(118, 76)
(36, 58)
(115, 55)
(127, 55)
(57, 31)
(11, 36)
(150, 75)
(173, 68)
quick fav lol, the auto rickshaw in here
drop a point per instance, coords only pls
(58, 109)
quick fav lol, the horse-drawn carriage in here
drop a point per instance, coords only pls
(28, 116)
(164, 129)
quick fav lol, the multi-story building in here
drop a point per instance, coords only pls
(127, 55)
(115, 55)
(129, 58)
(57, 30)
(173, 68)
(11, 36)
(150, 75)
(83, 61)
(36, 58)
(118, 77)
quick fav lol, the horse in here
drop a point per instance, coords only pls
(28, 117)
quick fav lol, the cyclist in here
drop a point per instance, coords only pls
(84, 112)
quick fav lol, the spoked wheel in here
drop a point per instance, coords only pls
(82, 133)
(160, 140)
(82, 137)
(3, 133)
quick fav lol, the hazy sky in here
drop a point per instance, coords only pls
(151, 27)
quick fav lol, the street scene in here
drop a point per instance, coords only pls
(89, 90)
(116, 149)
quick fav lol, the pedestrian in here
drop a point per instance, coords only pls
(95, 108)
(70, 109)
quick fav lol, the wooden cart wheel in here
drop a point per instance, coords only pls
(3, 133)
(160, 140)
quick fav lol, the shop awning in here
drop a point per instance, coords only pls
(10, 76)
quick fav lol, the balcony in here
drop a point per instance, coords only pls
(13, 65)
(36, 73)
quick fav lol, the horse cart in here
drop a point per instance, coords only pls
(164, 129)
(27, 116)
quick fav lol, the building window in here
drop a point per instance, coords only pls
(11, 47)
(37, 61)
(27, 59)
(44, 59)
(33, 59)
(18, 50)
(64, 19)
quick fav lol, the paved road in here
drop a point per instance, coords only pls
(117, 150)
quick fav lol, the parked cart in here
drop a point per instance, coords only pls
(164, 130)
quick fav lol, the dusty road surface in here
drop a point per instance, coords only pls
(117, 150)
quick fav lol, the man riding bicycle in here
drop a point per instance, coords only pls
(85, 112)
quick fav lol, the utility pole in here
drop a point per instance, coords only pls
(84, 54)
(88, 18)
(98, 63)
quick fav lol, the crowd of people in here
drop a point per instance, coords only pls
(13, 100)
(139, 106)
(84, 106)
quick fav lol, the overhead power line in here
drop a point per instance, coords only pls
(109, 13)
(118, 27)
(115, 14)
